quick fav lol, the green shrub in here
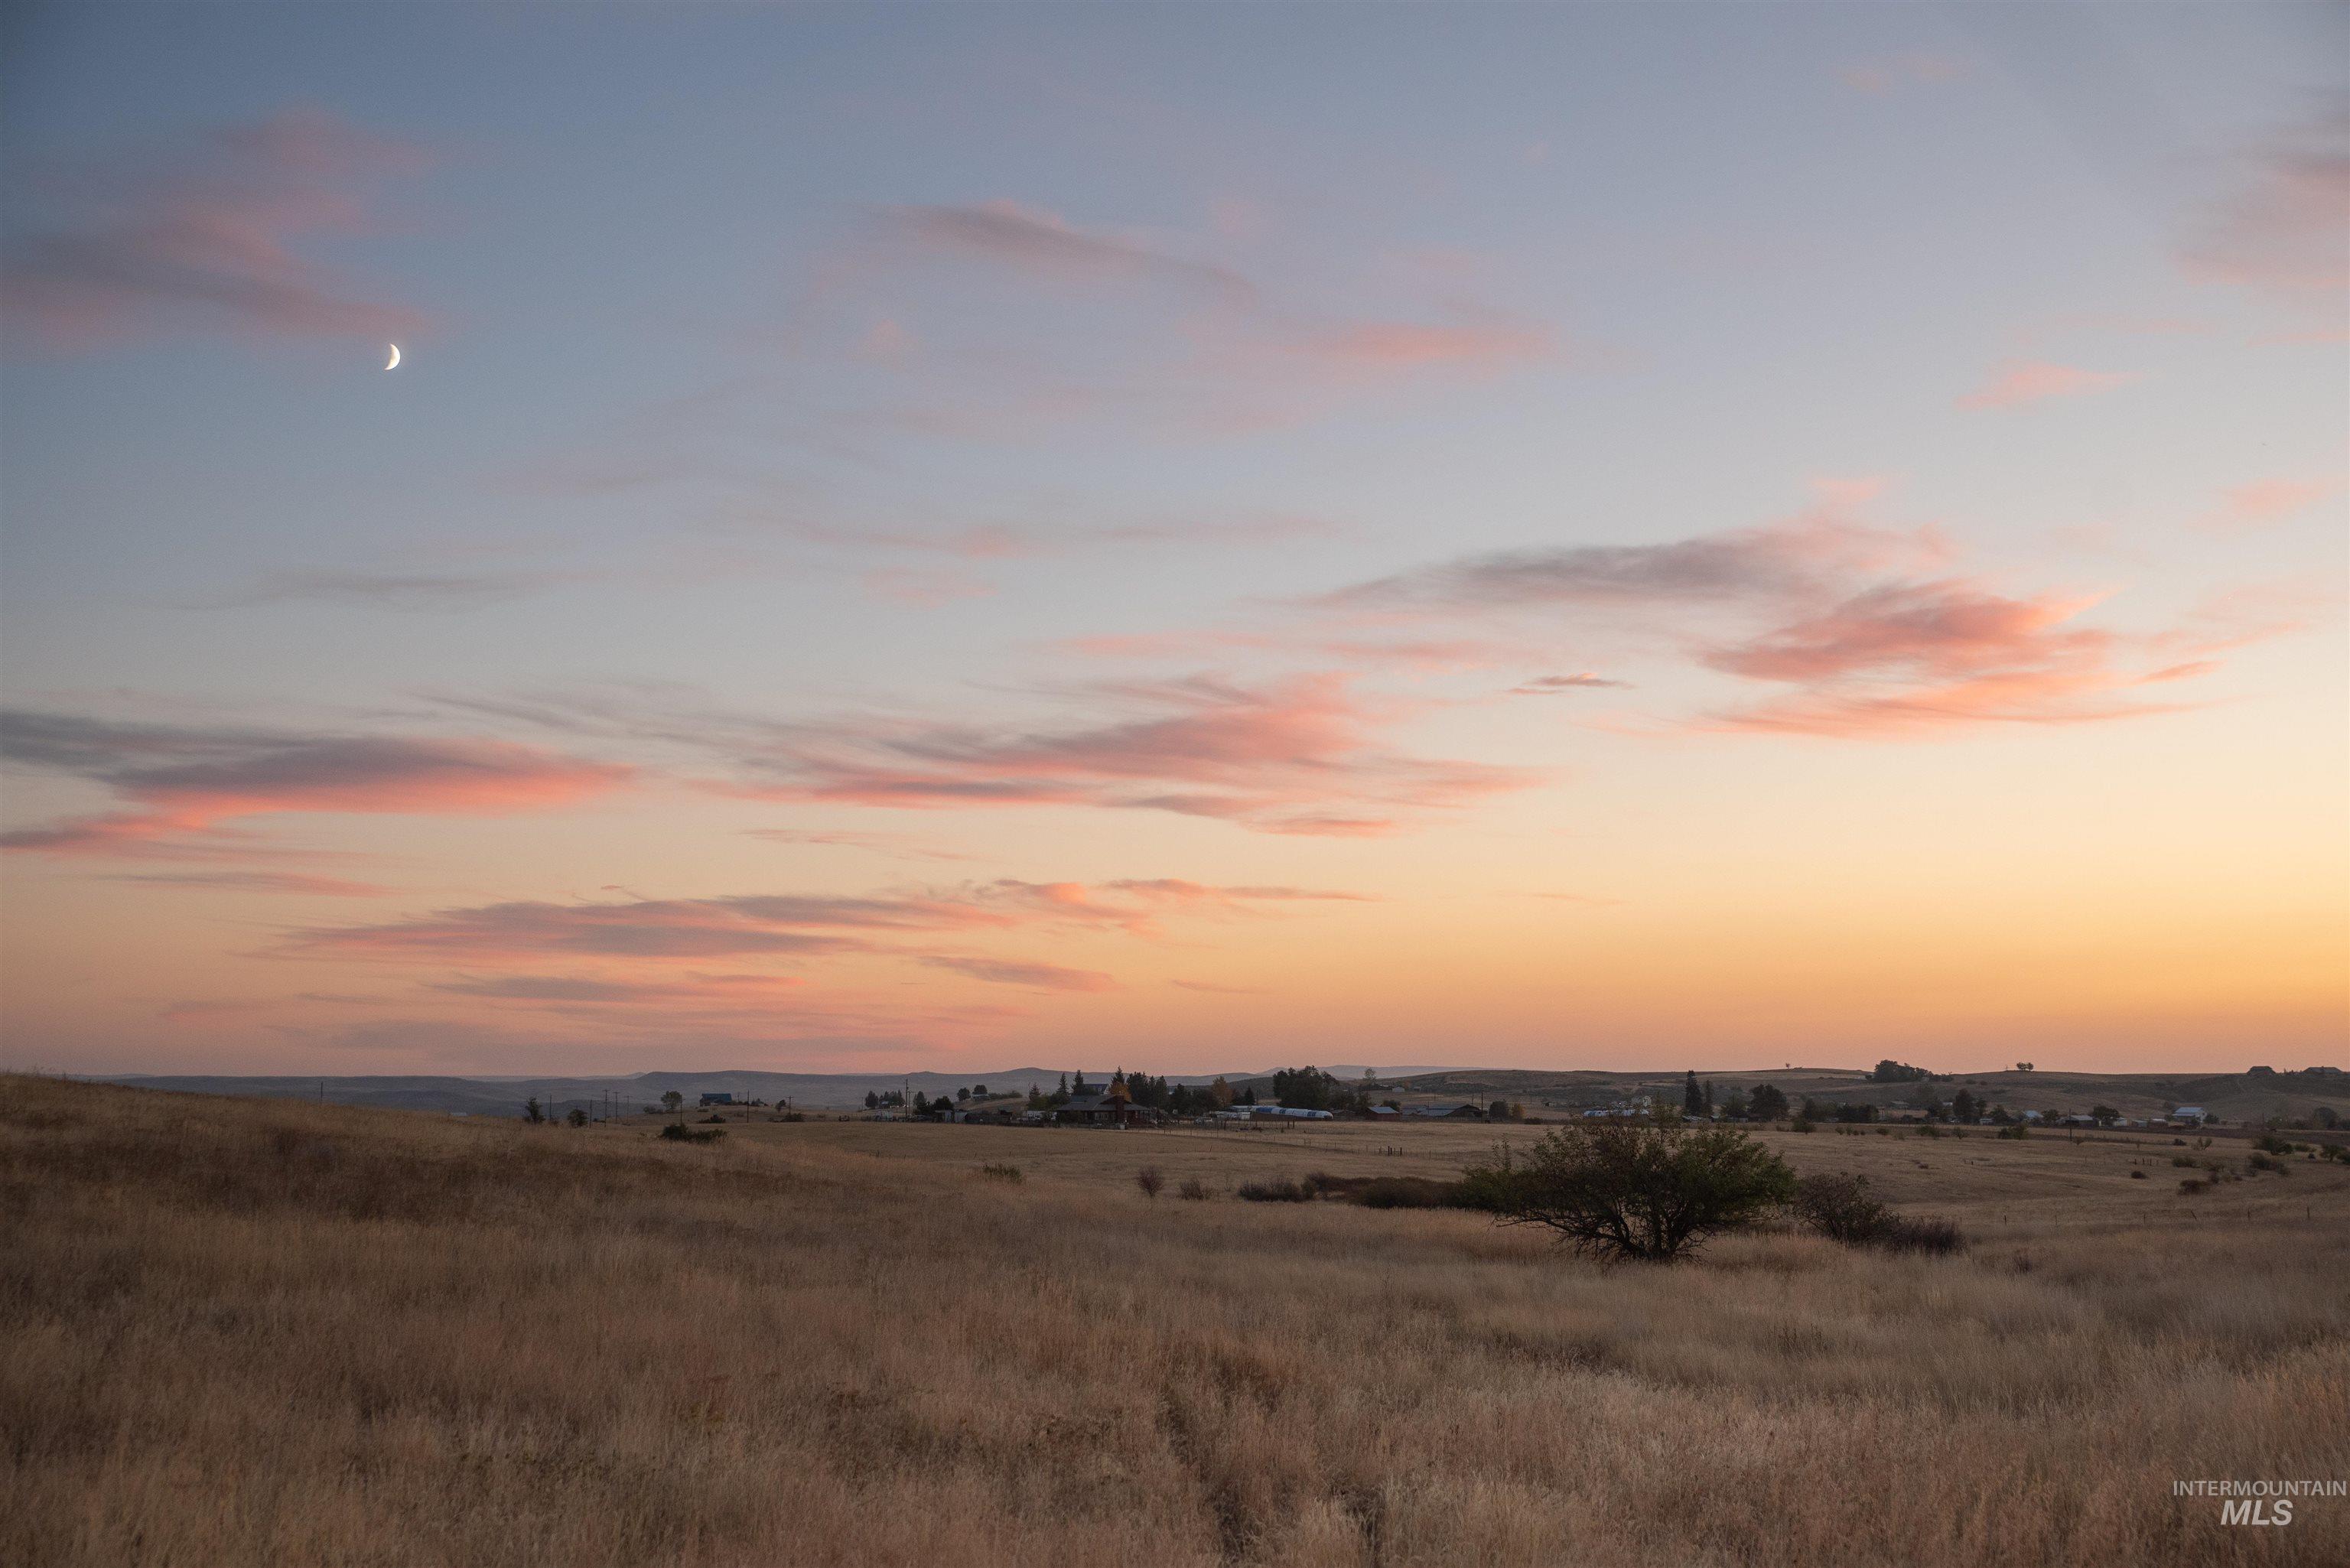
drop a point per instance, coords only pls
(1282, 1190)
(1841, 1209)
(1624, 1191)
(1411, 1192)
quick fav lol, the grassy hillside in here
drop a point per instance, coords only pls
(270, 1332)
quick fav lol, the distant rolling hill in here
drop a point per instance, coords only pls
(2235, 1097)
(503, 1096)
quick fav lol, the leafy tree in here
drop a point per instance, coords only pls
(1735, 1105)
(1304, 1088)
(1221, 1091)
(1767, 1104)
(1692, 1099)
(980, 1089)
(577, 1118)
(671, 1100)
(1963, 1108)
(1499, 1111)
(531, 1113)
(1888, 1071)
(872, 1101)
(962, 1094)
(1617, 1190)
(2105, 1115)
(921, 1103)
(2024, 1066)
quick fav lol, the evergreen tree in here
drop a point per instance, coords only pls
(1692, 1100)
(872, 1101)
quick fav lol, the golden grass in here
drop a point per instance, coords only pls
(272, 1333)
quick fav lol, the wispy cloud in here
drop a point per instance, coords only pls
(2264, 502)
(1034, 976)
(897, 846)
(2017, 382)
(1292, 756)
(185, 780)
(1864, 628)
(1046, 247)
(259, 882)
(2283, 232)
(1924, 656)
(1785, 557)
(208, 237)
(1543, 685)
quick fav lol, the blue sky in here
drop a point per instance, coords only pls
(1059, 437)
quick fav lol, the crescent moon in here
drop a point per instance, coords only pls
(394, 363)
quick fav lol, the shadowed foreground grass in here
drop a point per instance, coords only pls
(270, 1332)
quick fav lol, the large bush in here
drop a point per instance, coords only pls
(1841, 1209)
(1620, 1190)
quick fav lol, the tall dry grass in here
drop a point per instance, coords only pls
(268, 1333)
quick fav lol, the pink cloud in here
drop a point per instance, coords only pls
(1047, 247)
(1386, 348)
(2284, 232)
(925, 590)
(1277, 757)
(2020, 382)
(2265, 500)
(185, 781)
(209, 239)
(261, 882)
(1034, 976)
(1917, 657)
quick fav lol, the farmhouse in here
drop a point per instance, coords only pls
(2187, 1116)
(1461, 1108)
(1105, 1109)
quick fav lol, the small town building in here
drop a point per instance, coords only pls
(1107, 1107)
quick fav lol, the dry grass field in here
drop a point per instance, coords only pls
(269, 1332)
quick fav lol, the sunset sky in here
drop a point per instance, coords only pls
(1193, 537)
